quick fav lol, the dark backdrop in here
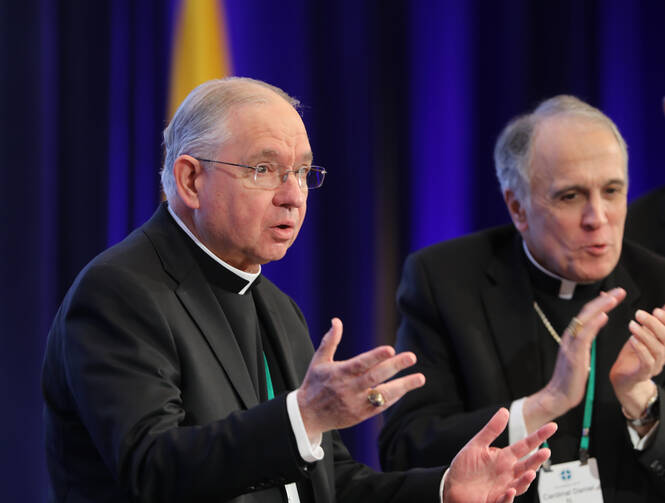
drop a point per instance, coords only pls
(403, 102)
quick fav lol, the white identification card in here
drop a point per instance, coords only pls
(571, 482)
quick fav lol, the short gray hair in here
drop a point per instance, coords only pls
(512, 152)
(199, 128)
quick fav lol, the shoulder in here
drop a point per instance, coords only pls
(641, 262)
(647, 202)
(130, 272)
(133, 256)
(646, 269)
(646, 218)
(453, 273)
(467, 252)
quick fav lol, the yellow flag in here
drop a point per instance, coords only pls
(200, 48)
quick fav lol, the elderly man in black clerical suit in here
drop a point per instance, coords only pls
(174, 371)
(554, 316)
(645, 223)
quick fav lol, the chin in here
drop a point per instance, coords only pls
(597, 273)
(274, 256)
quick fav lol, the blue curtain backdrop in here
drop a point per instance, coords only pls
(403, 102)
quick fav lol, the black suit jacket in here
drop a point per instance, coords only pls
(148, 397)
(468, 314)
(645, 223)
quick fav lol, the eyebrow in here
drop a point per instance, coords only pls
(582, 188)
(273, 154)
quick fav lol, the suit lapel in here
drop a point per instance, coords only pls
(508, 302)
(273, 322)
(203, 307)
(276, 330)
(198, 299)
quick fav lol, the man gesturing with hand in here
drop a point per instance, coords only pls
(176, 372)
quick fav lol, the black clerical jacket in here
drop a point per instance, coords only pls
(468, 314)
(148, 397)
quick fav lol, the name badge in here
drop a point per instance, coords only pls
(571, 482)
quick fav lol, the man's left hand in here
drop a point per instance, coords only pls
(483, 474)
(334, 394)
(641, 358)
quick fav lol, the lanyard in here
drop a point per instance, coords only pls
(588, 411)
(588, 407)
(271, 392)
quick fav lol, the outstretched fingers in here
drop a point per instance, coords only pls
(509, 496)
(604, 303)
(528, 444)
(384, 369)
(329, 342)
(492, 429)
(393, 390)
(585, 326)
(531, 463)
(522, 483)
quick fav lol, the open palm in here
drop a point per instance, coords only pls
(483, 474)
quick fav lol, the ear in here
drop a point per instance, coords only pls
(186, 170)
(517, 210)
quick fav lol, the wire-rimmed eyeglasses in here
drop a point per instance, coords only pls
(268, 175)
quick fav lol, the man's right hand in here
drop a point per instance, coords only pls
(334, 394)
(566, 388)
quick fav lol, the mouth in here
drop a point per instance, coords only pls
(283, 232)
(597, 248)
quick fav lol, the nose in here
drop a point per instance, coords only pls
(595, 213)
(289, 193)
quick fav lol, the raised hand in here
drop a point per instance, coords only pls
(483, 474)
(334, 394)
(566, 387)
(641, 358)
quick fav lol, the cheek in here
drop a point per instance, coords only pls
(303, 211)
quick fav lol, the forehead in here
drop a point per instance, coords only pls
(273, 127)
(574, 148)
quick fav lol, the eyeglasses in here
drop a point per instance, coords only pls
(268, 175)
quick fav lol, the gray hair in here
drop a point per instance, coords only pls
(512, 152)
(199, 127)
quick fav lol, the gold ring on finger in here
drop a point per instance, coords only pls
(575, 326)
(375, 398)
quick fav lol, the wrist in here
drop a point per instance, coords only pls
(648, 415)
(635, 400)
(540, 408)
(309, 422)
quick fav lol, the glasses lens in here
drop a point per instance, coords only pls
(315, 178)
(266, 176)
(271, 177)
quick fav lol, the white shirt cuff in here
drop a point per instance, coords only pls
(516, 424)
(443, 481)
(639, 444)
(309, 452)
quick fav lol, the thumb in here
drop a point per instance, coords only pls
(329, 342)
(492, 429)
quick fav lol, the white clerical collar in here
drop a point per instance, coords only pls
(247, 276)
(567, 288)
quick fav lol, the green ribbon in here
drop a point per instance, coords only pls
(588, 409)
(271, 391)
